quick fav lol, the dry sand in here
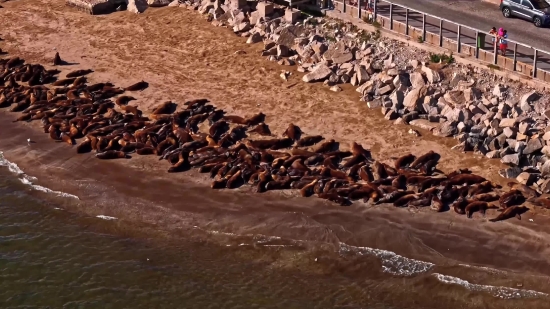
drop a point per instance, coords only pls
(183, 57)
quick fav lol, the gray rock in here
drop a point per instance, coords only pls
(509, 132)
(529, 98)
(455, 97)
(433, 76)
(362, 75)
(511, 172)
(254, 38)
(336, 88)
(342, 57)
(385, 90)
(366, 87)
(511, 159)
(289, 34)
(414, 99)
(446, 129)
(282, 51)
(533, 145)
(423, 124)
(408, 117)
(391, 115)
(320, 72)
(526, 178)
(519, 147)
(494, 154)
(136, 6)
(508, 122)
(397, 98)
(417, 80)
(499, 90)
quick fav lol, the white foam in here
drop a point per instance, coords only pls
(392, 262)
(105, 217)
(488, 269)
(26, 179)
(497, 291)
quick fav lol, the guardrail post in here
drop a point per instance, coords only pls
(458, 40)
(359, 8)
(423, 27)
(375, 13)
(441, 33)
(391, 16)
(344, 6)
(495, 58)
(477, 45)
(407, 21)
(515, 56)
(535, 64)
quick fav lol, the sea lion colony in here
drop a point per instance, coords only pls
(72, 109)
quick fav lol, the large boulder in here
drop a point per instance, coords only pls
(318, 74)
(433, 76)
(446, 129)
(158, 3)
(414, 99)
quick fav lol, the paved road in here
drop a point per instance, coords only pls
(476, 14)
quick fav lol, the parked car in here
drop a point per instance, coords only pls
(536, 11)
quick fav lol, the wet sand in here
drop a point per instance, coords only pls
(184, 57)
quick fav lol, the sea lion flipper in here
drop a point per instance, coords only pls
(518, 216)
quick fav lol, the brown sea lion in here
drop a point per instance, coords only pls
(333, 197)
(78, 73)
(327, 146)
(437, 205)
(262, 129)
(511, 198)
(111, 154)
(423, 159)
(64, 82)
(66, 138)
(393, 196)
(219, 184)
(181, 165)
(235, 180)
(526, 190)
(477, 206)
(255, 120)
(510, 212)
(357, 149)
(293, 132)
(466, 179)
(303, 152)
(307, 190)
(234, 119)
(139, 86)
(405, 199)
(404, 161)
(123, 100)
(57, 59)
(309, 140)
(429, 167)
(480, 188)
(163, 108)
(460, 205)
(540, 201)
(148, 150)
(458, 172)
(84, 146)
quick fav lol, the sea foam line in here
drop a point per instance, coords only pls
(26, 179)
(497, 291)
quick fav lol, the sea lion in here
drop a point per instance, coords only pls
(219, 184)
(123, 100)
(393, 196)
(57, 59)
(404, 161)
(78, 73)
(458, 172)
(307, 190)
(460, 205)
(163, 108)
(486, 197)
(293, 132)
(333, 197)
(423, 159)
(262, 129)
(181, 165)
(84, 146)
(111, 154)
(327, 146)
(357, 149)
(511, 198)
(510, 212)
(309, 140)
(429, 167)
(235, 180)
(436, 204)
(64, 82)
(466, 179)
(66, 138)
(139, 86)
(148, 150)
(540, 201)
(477, 206)
(526, 190)
(405, 199)
(480, 188)
(234, 119)
(255, 120)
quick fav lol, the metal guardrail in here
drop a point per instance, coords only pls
(450, 35)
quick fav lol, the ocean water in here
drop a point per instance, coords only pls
(52, 258)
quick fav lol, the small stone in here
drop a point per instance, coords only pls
(254, 38)
(507, 122)
(335, 88)
(511, 159)
(385, 90)
(525, 178)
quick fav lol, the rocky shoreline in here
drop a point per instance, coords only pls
(492, 116)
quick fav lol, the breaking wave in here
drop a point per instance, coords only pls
(497, 291)
(26, 179)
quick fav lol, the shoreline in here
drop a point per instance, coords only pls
(272, 214)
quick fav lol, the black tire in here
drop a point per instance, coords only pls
(537, 22)
(506, 12)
